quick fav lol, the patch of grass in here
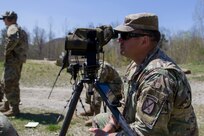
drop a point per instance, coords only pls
(53, 128)
(77, 120)
(195, 68)
(197, 71)
(41, 74)
(199, 77)
(48, 125)
(45, 118)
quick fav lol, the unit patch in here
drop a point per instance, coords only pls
(149, 104)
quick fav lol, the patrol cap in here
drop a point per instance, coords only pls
(145, 21)
(9, 14)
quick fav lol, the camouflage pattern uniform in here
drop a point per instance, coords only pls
(6, 128)
(129, 72)
(16, 47)
(107, 75)
(158, 100)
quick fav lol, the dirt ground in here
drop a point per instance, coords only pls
(197, 92)
(38, 98)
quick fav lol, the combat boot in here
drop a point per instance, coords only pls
(90, 112)
(87, 113)
(4, 107)
(14, 111)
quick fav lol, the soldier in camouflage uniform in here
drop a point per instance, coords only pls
(107, 74)
(16, 46)
(158, 101)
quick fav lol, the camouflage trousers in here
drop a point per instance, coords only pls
(10, 82)
(100, 120)
(94, 100)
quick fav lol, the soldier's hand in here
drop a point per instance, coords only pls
(113, 122)
(98, 132)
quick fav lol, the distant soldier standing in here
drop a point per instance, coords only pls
(16, 46)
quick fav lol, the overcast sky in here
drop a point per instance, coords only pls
(174, 15)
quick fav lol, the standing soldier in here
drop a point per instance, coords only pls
(16, 47)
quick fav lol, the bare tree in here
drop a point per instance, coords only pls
(165, 39)
(199, 17)
(91, 25)
(39, 38)
(51, 35)
(65, 27)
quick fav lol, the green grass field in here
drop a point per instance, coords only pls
(35, 73)
(197, 71)
(41, 73)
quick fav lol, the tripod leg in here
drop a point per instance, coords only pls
(71, 108)
(104, 107)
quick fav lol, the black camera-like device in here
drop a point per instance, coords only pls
(88, 43)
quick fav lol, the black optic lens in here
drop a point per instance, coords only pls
(124, 36)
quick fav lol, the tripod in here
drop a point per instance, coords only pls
(91, 52)
(103, 90)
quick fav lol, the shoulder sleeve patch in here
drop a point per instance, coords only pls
(149, 104)
(13, 29)
(149, 108)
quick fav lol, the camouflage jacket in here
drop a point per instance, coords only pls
(108, 74)
(158, 101)
(16, 45)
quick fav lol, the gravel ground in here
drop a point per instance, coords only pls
(38, 98)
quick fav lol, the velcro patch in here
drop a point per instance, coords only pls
(149, 104)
